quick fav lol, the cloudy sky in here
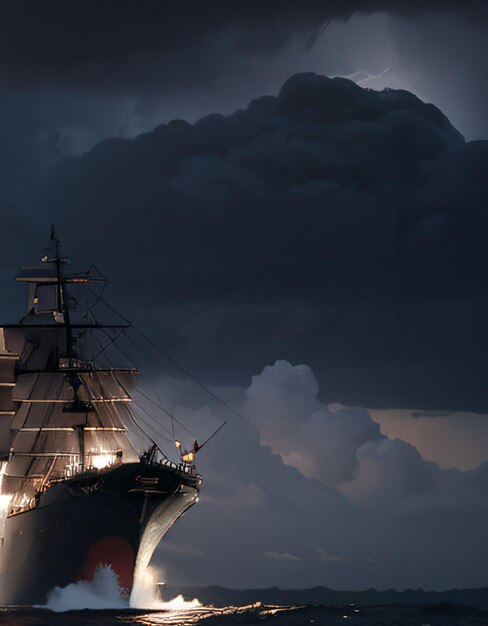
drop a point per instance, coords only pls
(291, 198)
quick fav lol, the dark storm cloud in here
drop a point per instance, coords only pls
(333, 225)
(347, 171)
(153, 45)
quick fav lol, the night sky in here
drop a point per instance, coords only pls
(290, 198)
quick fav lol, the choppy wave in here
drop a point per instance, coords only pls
(145, 595)
(446, 614)
(103, 592)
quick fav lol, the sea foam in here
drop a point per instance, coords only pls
(103, 592)
(145, 595)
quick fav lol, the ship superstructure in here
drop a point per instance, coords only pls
(81, 483)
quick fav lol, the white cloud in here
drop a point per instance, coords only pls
(387, 506)
(321, 443)
(281, 556)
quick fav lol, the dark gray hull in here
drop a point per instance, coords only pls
(91, 520)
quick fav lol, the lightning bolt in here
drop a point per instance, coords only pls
(363, 76)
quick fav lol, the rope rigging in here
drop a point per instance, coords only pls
(172, 360)
(139, 406)
(158, 405)
(114, 341)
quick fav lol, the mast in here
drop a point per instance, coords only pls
(72, 377)
(62, 297)
(62, 411)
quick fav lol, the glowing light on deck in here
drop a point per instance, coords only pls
(4, 502)
(101, 459)
(4, 498)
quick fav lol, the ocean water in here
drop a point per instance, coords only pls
(437, 615)
(100, 603)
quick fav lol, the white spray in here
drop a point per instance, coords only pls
(102, 592)
(146, 595)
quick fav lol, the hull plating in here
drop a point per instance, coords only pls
(92, 520)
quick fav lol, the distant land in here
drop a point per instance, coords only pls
(222, 596)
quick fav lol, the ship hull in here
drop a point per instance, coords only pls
(91, 520)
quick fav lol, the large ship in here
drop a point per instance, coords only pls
(82, 485)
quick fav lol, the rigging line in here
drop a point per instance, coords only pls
(48, 410)
(97, 296)
(104, 286)
(150, 423)
(212, 435)
(112, 341)
(147, 436)
(118, 347)
(171, 413)
(187, 373)
(139, 349)
(85, 301)
(132, 416)
(180, 367)
(157, 425)
(100, 344)
(139, 406)
(109, 306)
(133, 419)
(90, 311)
(122, 386)
(146, 356)
(137, 425)
(160, 406)
(24, 421)
(158, 397)
(172, 360)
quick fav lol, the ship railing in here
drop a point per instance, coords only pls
(186, 468)
(74, 363)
